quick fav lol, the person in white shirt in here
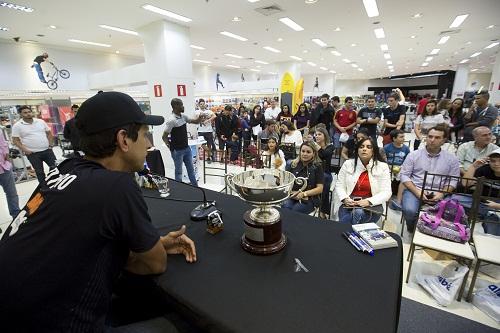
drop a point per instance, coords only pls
(273, 157)
(35, 140)
(425, 121)
(480, 148)
(205, 128)
(290, 135)
(272, 111)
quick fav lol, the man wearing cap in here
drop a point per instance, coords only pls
(176, 127)
(60, 256)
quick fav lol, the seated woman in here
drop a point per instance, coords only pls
(290, 136)
(325, 153)
(273, 157)
(307, 165)
(363, 182)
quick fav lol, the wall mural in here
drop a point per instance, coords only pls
(218, 81)
(50, 79)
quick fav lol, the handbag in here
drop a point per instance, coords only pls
(447, 220)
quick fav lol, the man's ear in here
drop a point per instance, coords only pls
(121, 140)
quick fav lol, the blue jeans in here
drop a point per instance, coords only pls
(356, 216)
(9, 187)
(37, 159)
(336, 139)
(410, 204)
(39, 71)
(305, 207)
(184, 155)
(325, 197)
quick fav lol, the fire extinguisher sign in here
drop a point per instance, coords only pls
(181, 90)
(157, 90)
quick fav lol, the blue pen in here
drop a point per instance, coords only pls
(360, 244)
(365, 243)
(348, 237)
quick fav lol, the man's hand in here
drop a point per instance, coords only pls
(437, 197)
(492, 204)
(26, 151)
(480, 162)
(342, 129)
(176, 242)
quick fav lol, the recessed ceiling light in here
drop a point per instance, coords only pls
(261, 62)
(429, 58)
(473, 70)
(17, 7)
(336, 53)
(443, 39)
(391, 70)
(379, 33)
(272, 73)
(253, 1)
(333, 72)
(272, 49)
(475, 54)
(384, 47)
(230, 34)
(31, 41)
(88, 43)
(280, 39)
(310, 2)
(236, 19)
(490, 26)
(492, 45)
(125, 31)
(353, 44)
(418, 15)
(464, 61)
(336, 29)
(347, 61)
(258, 66)
(197, 47)
(117, 52)
(233, 55)
(305, 51)
(434, 51)
(390, 67)
(388, 62)
(360, 69)
(166, 13)
(410, 49)
(233, 66)
(468, 43)
(254, 70)
(296, 58)
(354, 65)
(413, 36)
(425, 64)
(387, 56)
(291, 24)
(458, 21)
(371, 8)
(198, 54)
(319, 42)
(310, 63)
(323, 68)
(52, 27)
(4, 29)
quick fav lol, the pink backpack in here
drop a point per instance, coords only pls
(447, 219)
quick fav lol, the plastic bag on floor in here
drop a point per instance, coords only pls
(445, 285)
(487, 298)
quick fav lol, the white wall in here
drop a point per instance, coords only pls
(16, 59)
(476, 80)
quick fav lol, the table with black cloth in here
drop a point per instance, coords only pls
(230, 290)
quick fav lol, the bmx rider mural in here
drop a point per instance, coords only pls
(51, 80)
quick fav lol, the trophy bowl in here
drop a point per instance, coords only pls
(263, 188)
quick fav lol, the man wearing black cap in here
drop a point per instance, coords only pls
(62, 253)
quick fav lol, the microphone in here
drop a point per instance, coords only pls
(200, 212)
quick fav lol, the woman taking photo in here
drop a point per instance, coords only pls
(363, 185)
(257, 121)
(425, 121)
(325, 153)
(273, 157)
(285, 114)
(302, 118)
(307, 165)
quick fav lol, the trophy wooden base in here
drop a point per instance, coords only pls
(262, 238)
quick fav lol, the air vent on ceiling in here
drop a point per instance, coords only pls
(449, 32)
(269, 10)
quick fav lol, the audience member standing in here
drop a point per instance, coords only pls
(71, 133)
(273, 111)
(226, 124)
(7, 179)
(428, 119)
(205, 128)
(302, 118)
(456, 116)
(285, 114)
(257, 121)
(483, 115)
(344, 121)
(323, 113)
(325, 153)
(423, 103)
(35, 139)
(369, 117)
(394, 115)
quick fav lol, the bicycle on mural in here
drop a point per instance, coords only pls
(53, 77)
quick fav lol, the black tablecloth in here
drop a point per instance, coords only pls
(231, 290)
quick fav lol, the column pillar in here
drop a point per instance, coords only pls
(495, 82)
(460, 82)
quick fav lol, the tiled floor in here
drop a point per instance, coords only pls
(423, 261)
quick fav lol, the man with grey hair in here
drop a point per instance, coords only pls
(478, 149)
(484, 115)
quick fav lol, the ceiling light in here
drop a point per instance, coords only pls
(490, 26)
(410, 49)
(458, 21)
(233, 55)
(272, 49)
(413, 36)
(354, 65)
(336, 29)
(198, 54)
(425, 64)
(384, 47)
(310, 2)
(475, 54)
(418, 15)
(4, 29)
(391, 70)
(468, 43)
(261, 62)
(388, 62)
(117, 52)
(254, 70)
(229, 34)
(273, 73)
(253, 1)
(236, 19)
(52, 27)
(434, 51)
(125, 31)
(387, 56)
(233, 66)
(379, 33)
(336, 53)
(443, 39)
(390, 67)
(319, 42)
(296, 58)
(492, 45)
(31, 41)
(473, 70)
(464, 61)
(333, 72)
(16, 7)
(197, 47)
(258, 66)
(360, 69)
(291, 24)
(88, 43)
(371, 8)
(346, 61)
(280, 39)
(167, 13)
(323, 68)
(429, 58)
(353, 44)
(311, 64)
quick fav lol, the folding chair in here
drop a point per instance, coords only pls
(213, 170)
(289, 150)
(439, 184)
(487, 246)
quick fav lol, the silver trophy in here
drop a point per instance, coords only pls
(263, 188)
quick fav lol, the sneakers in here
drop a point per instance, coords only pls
(394, 205)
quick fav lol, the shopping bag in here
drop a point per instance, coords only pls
(344, 137)
(487, 298)
(444, 286)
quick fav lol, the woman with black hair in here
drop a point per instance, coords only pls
(257, 121)
(425, 121)
(456, 116)
(302, 118)
(363, 185)
(285, 114)
(325, 153)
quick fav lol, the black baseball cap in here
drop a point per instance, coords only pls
(109, 110)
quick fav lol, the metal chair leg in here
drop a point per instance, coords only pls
(464, 282)
(473, 281)
(412, 251)
(402, 222)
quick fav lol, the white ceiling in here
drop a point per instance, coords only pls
(80, 20)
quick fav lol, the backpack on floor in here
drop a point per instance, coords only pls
(447, 219)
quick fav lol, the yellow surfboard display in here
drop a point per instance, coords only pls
(298, 97)
(287, 89)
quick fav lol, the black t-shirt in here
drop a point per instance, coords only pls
(312, 172)
(61, 254)
(39, 59)
(366, 113)
(179, 138)
(350, 145)
(392, 116)
(490, 189)
(326, 156)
